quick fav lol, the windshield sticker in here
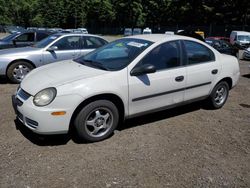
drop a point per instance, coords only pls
(137, 44)
(119, 44)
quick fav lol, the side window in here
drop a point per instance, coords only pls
(93, 42)
(197, 53)
(68, 43)
(26, 37)
(164, 56)
(40, 36)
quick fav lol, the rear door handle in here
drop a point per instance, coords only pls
(179, 78)
(215, 71)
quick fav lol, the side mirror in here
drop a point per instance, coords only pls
(143, 69)
(52, 48)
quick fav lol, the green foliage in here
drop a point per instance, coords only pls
(123, 13)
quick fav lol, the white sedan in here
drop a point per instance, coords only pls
(123, 79)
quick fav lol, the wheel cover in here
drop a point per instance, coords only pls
(20, 71)
(220, 95)
(99, 122)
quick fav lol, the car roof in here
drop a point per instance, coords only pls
(76, 34)
(160, 37)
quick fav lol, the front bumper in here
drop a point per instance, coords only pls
(40, 120)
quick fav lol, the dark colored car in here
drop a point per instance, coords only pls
(222, 46)
(22, 39)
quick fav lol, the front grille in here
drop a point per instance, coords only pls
(23, 94)
(31, 123)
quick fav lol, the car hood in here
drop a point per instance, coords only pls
(56, 74)
(18, 51)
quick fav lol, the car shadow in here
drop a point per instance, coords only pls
(4, 80)
(42, 140)
(55, 140)
(157, 116)
(246, 75)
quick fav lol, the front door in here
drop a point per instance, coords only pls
(68, 47)
(163, 88)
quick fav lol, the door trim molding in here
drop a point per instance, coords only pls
(169, 92)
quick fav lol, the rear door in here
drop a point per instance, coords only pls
(202, 69)
(90, 43)
(68, 47)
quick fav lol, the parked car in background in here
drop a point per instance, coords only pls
(127, 32)
(83, 30)
(241, 38)
(22, 39)
(169, 32)
(201, 33)
(16, 63)
(126, 78)
(147, 31)
(137, 31)
(222, 46)
(14, 29)
(31, 28)
(246, 54)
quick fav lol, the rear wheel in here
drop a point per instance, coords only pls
(219, 95)
(97, 121)
(18, 70)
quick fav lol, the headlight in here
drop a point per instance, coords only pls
(45, 97)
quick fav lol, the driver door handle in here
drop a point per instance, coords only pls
(179, 78)
(215, 71)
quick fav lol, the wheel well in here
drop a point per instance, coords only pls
(228, 80)
(28, 61)
(111, 97)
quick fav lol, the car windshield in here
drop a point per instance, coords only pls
(115, 55)
(45, 42)
(244, 37)
(10, 37)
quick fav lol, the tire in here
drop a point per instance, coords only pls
(18, 70)
(96, 121)
(219, 95)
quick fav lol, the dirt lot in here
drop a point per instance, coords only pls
(181, 147)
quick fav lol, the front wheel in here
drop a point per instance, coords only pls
(18, 70)
(219, 95)
(97, 121)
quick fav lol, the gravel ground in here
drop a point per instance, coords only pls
(182, 147)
